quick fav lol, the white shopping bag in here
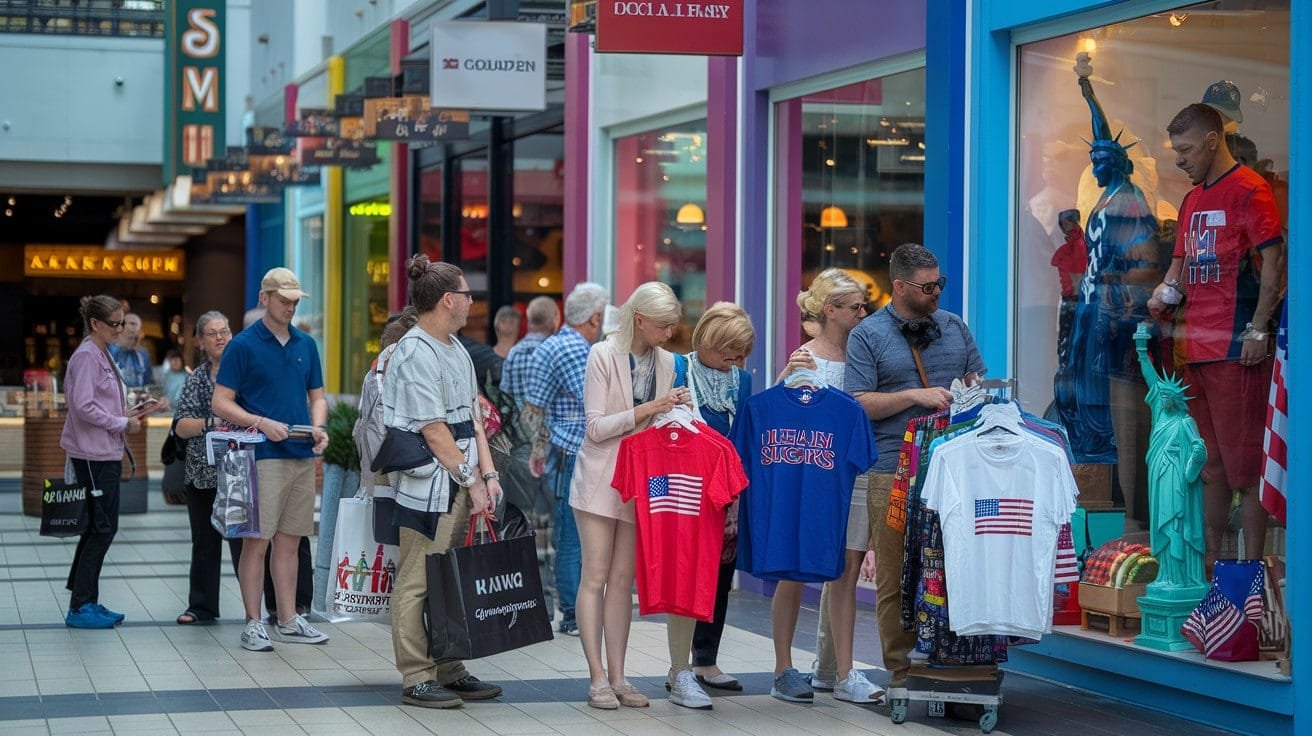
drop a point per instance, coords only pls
(363, 569)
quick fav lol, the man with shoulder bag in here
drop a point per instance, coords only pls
(430, 394)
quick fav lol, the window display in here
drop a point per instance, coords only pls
(660, 216)
(862, 170)
(1098, 198)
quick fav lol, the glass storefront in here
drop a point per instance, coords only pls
(364, 292)
(309, 268)
(860, 149)
(660, 216)
(1092, 242)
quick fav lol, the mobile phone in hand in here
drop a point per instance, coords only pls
(143, 405)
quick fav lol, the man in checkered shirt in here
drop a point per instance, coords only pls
(555, 393)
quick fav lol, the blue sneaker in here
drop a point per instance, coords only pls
(108, 613)
(88, 617)
(793, 687)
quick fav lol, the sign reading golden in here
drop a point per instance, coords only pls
(94, 262)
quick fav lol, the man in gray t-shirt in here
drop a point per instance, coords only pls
(883, 373)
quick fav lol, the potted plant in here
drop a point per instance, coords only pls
(341, 478)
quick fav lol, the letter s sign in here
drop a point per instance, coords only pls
(201, 39)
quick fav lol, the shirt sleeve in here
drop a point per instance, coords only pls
(316, 369)
(1262, 218)
(860, 374)
(974, 361)
(80, 387)
(419, 388)
(232, 367)
(861, 452)
(189, 406)
(621, 481)
(1181, 228)
(540, 377)
(940, 491)
(573, 380)
(731, 477)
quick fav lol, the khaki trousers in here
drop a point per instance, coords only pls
(410, 596)
(889, 555)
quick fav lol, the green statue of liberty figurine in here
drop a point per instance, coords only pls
(1176, 455)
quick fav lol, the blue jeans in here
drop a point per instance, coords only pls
(565, 537)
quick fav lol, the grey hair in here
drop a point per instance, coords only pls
(207, 318)
(253, 315)
(542, 313)
(909, 258)
(584, 301)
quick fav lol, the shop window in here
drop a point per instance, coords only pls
(364, 304)
(538, 212)
(854, 157)
(309, 268)
(471, 244)
(430, 212)
(1083, 278)
(660, 216)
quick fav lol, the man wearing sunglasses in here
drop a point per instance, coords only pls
(900, 361)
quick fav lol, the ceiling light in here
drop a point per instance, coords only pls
(833, 216)
(12, 201)
(690, 214)
(9, 213)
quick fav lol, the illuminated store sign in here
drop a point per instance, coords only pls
(656, 27)
(193, 85)
(94, 262)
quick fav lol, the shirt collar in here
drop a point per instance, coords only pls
(263, 332)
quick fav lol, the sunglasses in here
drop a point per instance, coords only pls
(928, 288)
(111, 324)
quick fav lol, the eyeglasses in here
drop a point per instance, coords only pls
(859, 306)
(225, 332)
(111, 324)
(467, 294)
(928, 288)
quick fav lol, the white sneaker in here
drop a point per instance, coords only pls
(299, 631)
(255, 638)
(855, 688)
(685, 691)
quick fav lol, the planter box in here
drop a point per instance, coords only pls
(1111, 601)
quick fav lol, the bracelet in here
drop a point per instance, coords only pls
(258, 421)
(1251, 333)
(494, 475)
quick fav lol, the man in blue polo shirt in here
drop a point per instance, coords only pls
(269, 380)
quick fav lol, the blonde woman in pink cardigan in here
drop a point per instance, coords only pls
(629, 380)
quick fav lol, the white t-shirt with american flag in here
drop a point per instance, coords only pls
(1002, 499)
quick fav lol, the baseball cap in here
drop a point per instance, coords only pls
(283, 281)
(1223, 96)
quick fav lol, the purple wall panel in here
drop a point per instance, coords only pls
(795, 40)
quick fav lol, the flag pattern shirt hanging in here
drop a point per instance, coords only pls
(675, 493)
(1271, 492)
(680, 483)
(1004, 516)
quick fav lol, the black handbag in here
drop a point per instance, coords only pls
(484, 599)
(174, 448)
(402, 450)
(63, 509)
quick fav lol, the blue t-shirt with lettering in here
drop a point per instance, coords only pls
(802, 450)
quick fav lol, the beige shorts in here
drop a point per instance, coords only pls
(858, 517)
(286, 496)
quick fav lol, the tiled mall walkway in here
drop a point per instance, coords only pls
(150, 676)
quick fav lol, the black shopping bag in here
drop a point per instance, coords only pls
(63, 509)
(485, 599)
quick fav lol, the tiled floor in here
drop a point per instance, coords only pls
(151, 676)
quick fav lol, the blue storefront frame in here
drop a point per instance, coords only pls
(970, 60)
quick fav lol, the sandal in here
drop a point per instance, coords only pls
(603, 697)
(189, 618)
(629, 696)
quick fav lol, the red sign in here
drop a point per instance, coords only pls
(713, 28)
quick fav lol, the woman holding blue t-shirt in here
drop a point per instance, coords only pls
(721, 341)
(833, 305)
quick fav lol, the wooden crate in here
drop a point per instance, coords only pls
(1114, 601)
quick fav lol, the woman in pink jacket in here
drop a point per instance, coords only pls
(93, 437)
(628, 381)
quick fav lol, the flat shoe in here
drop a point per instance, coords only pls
(629, 696)
(602, 697)
(189, 618)
(721, 681)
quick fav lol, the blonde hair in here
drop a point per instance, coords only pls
(653, 300)
(828, 287)
(724, 327)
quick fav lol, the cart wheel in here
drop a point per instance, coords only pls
(898, 708)
(989, 720)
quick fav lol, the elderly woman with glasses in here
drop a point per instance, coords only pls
(94, 434)
(194, 419)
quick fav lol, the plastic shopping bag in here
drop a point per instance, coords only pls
(236, 512)
(364, 568)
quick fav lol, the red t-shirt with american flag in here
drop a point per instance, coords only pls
(1222, 229)
(681, 482)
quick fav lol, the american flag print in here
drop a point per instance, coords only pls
(1013, 516)
(1271, 492)
(1068, 570)
(675, 493)
(1213, 622)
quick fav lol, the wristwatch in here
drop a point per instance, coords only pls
(494, 475)
(464, 475)
(1251, 333)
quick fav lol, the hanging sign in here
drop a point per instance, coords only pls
(194, 81)
(489, 65)
(661, 27)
